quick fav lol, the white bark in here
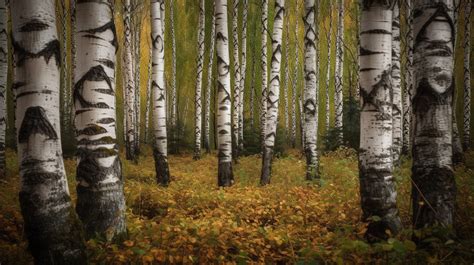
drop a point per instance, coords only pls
(174, 98)
(160, 151)
(396, 86)
(338, 96)
(66, 93)
(467, 76)
(328, 69)
(224, 104)
(434, 188)
(237, 77)
(273, 96)
(129, 84)
(210, 85)
(310, 92)
(377, 184)
(3, 84)
(263, 55)
(148, 97)
(408, 88)
(295, 81)
(198, 92)
(243, 74)
(287, 75)
(54, 237)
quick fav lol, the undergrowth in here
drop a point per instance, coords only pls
(289, 221)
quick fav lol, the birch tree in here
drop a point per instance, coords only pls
(66, 106)
(328, 69)
(408, 87)
(310, 98)
(100, 198)
(467, 76)
(160, 151)
(129, 84)
(224, 102)
(377, 184)
(148, 97)
(273, 93)
(287, 74)
(434, 188)
(243, 74)
(263, 55)
(50, 224)
(210, 84)
(338, 98)
(198, 92)
(295, 81)
(396, 85)
(3, 84)
(458, 156)
(174, 98)
(237, 77)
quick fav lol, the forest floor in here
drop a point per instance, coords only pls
(289, 221)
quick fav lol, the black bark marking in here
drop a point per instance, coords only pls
(91, 130)
(108, 26)
(52, 49)
(35, 121)
(225, 177)
(34, 25)
(97, 74)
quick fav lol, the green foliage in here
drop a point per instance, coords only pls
(177, 141)
(253, 143)
(350, 130)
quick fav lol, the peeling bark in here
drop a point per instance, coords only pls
(51, 227)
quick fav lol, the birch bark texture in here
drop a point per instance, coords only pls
(273, 96)
(310, 92)
(100, 198)
(237, 77)
(263, 55)
(243, 74)
(174, 92)
(408, 87)
(198, 91)
(328, 69)
(467, 76)
(160, 149)
(129, 83)
(295, 80)
(224, 102)
(396, 86)
(210, 84)
(51, 227)
(377, 184)
(287, 74)
(338, 97)
(3, 84)
(434, 188)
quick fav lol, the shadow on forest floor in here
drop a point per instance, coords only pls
(291, 220)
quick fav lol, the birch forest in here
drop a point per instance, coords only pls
(236, 132)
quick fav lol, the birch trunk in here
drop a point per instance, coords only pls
(396, 86)
(136, 22)
(100, 198)
(467, 76)
(174, 102)
(338, 98)
(252, 92)
(148, 98)
(303, 138)
(328, 69)
(3, 84)
(66, 106)
(210, 85)
(273, 96)
(160, 151)
(287, 74)
(224, 104)
(243, 75)
(129, 84)
(51, 227)
(408, 88)
(295, 81)
(377, 184)
(263, 55)
(458, 156)
(310, 93)
(198, 92)
(237, 77)
(434, 188)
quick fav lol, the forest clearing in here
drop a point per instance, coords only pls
(291, 221)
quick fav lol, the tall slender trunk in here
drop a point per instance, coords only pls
(224, 102)
(338, 97)
(129, 84)
(310, 93)
(3, 84)
(273, 96)
(53, 233)
(252, 93)
(467, 76)
(377, 184)
(434, 188)
(210, 84)
(237, 77)
(72, 14)
(287, 75)
(243, 75)
(328, 69)
(408, 88)
(295, 80)
(174, 97)
(100, 198)
(263, 55)
(303, 137)
(396, 86)
(148, 99)
(198, 92)
(136, 22)
(160, 151)
(66, 106)
(458, 156)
